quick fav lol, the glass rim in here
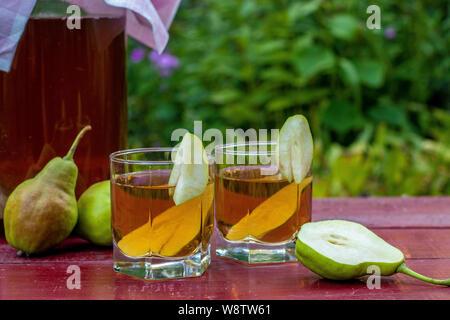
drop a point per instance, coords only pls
(222, 148)
(114, 157)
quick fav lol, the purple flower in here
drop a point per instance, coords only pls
(165, 62)
(137, 55)
(390, 33)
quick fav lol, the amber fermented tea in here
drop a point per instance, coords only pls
(146, 221)
(62, 80)
(264, 209)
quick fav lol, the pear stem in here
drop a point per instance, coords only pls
(69, 155)
(404, 269)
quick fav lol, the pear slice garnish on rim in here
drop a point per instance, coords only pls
(190, 173)
(295, 149)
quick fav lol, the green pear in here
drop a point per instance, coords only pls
(41, 212)
(342, 250)
(94, 214)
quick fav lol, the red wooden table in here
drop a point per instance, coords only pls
(420, 227)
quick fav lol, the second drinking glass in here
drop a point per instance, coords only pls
(258, 212)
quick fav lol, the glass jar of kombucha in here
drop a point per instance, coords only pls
(62, 79)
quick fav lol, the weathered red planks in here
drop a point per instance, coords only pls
(223, 280)
(420, 227)
(72, 249)
(385, 212)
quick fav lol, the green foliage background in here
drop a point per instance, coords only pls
(379, 107)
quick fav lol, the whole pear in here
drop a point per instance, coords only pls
(94, 214)
(41, 212)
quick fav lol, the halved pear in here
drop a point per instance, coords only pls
(338, 249)
(342, 250)
(190, 172)
(295, 149)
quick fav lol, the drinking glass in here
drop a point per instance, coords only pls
(154, 238)
(258, 213)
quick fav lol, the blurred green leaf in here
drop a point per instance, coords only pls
(389, 114)
(277, 74)
(303, 8)
(279, 103)
(343, 26)
(313, 60)
(342, 117)
(225, 96)
(350, 76)
(270, 46)
(349, 73)
(306, 96)
(302, 42)
(371, 72)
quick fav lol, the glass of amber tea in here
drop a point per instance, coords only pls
(61, 80)
(155, 239)
(258, 213)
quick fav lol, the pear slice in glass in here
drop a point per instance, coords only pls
(342, 250)
(270, 214)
